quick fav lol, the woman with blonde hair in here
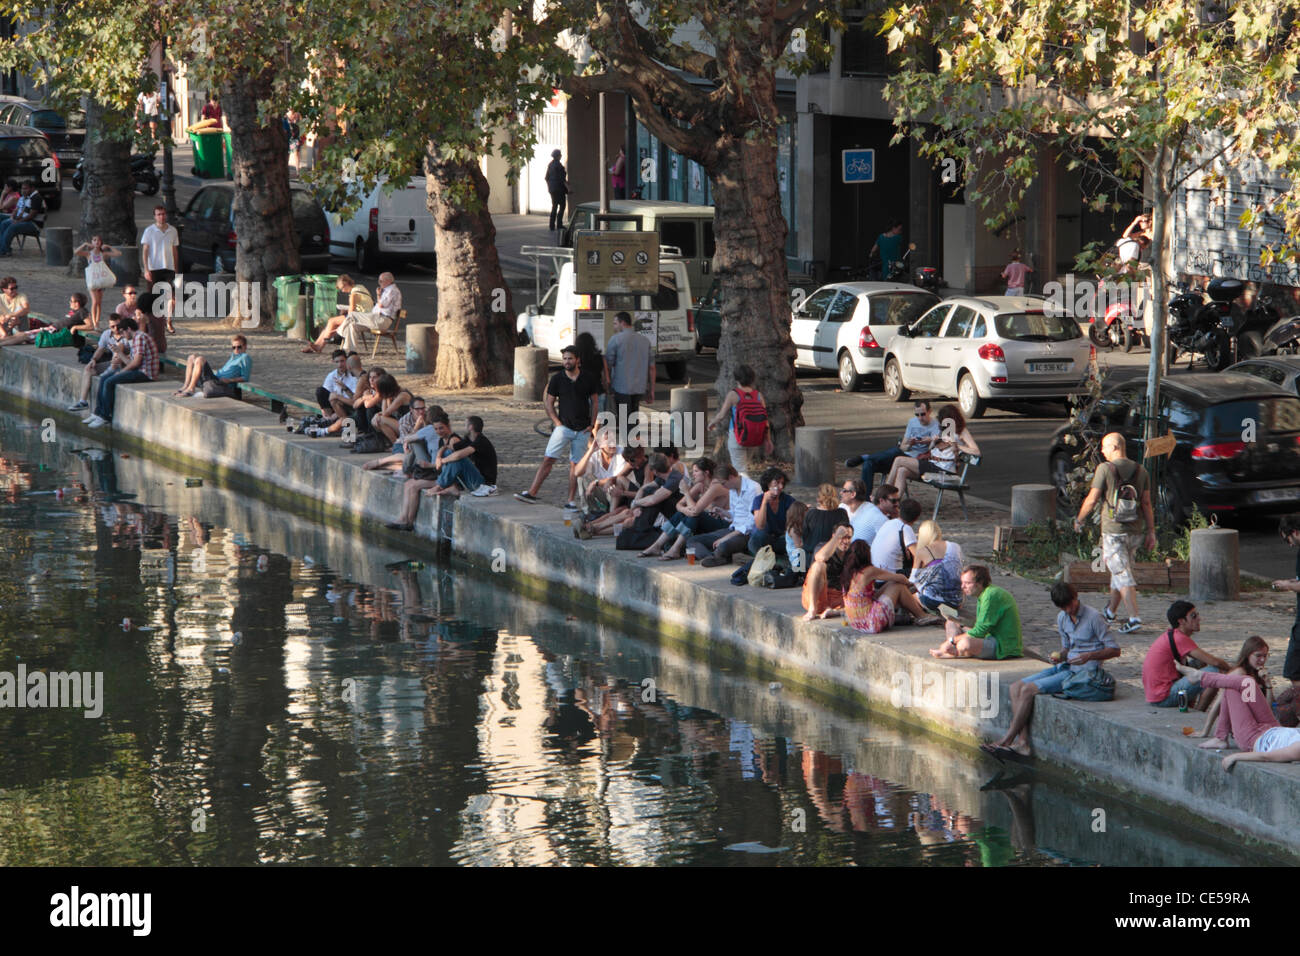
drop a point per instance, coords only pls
(936, 571)
(359, 300)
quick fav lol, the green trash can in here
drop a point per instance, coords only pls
(229, 155)
(324, 298)
(289, 292)
(209, 158)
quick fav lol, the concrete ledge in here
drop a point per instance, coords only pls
(1123, 744)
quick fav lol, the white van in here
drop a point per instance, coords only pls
(554, 322)
(392, 225)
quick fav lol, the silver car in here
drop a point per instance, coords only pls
(846, 326)
(994, 348)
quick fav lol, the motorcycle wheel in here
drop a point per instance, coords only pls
(1218, 354)
(1098, 336)
(1250, 345)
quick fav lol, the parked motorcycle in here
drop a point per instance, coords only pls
(1119, 326)
(1259, 320)
(899, 269)
(927, 277)
(1206, 322)
(143, 175)
(1283, 337)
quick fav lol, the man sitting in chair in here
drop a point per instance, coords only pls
(379, 320)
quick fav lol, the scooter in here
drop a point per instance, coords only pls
(899, 270)
(1283, 338)
(1119, 326)
(143, 175)
(927, 277)
(1206, 323)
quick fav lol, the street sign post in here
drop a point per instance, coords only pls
(858, 166)
(616, 263)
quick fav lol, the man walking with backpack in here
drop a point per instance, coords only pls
(1124, 489)
(746, 415)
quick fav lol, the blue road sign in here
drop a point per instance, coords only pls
(858, 165)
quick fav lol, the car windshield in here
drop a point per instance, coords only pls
(47, 119)
(1036, 327)
(1269, 415)
(900, 308)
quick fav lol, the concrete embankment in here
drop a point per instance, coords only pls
(1120, 746)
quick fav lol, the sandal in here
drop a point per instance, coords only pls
(647, 553)
(665, 556)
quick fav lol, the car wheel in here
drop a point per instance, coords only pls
(894, 387)
(1060, 468)
(1250, 345)
(676, 370)
(968, 398)
(1172, 500)
(850, 380)
(365, 257)
(77, 181)
(699, 346)
(220, 263)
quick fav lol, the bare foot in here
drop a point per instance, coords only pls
(808, 616)
(1214, 743)
(935, 652)
(1191, 673)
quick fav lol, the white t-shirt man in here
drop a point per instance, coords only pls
(742, 519)
(597, 469)
(161, 244)
(885, 550)
(343, 383)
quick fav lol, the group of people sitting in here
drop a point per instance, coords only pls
(363, 313)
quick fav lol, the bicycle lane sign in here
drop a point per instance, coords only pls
(858, 165)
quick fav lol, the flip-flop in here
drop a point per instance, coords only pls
(994, 751)
(670, 557)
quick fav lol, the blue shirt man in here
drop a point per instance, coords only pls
(1086, 641)
(920, 434)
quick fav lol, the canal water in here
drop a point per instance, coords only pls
(277, 691)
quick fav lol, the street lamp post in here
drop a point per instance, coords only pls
(168, 179)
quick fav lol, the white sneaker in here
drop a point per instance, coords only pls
(89, 418)
(484, 491)
(99, 423)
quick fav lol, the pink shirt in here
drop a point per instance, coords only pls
(1245, 721)
(1015, 273)
(1158, 671)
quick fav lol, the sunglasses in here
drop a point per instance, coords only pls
(921, 414)
(128, 292)
(846, 491)
(235, 348)
(892, 501)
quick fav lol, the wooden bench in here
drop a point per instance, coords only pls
(278, 401)
(390, 332)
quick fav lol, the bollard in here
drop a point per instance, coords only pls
(1032, 503)
(300, 330)
(1215, 571)
(126, 267)
(531, 366)
(814, 456)
(58, 245)
(421, 348)
(688, 414)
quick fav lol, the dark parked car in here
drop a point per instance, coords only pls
(1238, 443)
(67, 133)
(207, 228)
(25, 153)
(1280, 370)
(708, 311)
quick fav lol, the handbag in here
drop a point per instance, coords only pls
(763, 562)
(1187, 660)
(215, 389)
(779, 579)
(370, 444)
(1088, 683)
(99, 276)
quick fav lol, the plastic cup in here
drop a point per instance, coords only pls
(690, 557)
(618, 527)
(568, 519)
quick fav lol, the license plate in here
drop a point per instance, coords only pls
(1049, 366)
(398, 237)
(1277, 494)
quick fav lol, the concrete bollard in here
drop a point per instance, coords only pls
(1032, 503)
(58, 245)
(814, 456)
(531, 366)
(421, 348)
(126, 267)
(688, 412)
(301, 328)
(1215, 573)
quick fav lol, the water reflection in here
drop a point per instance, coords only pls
(281, 692)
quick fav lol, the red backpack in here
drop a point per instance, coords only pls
(750, 419)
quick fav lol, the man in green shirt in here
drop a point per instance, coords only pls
(995, 635)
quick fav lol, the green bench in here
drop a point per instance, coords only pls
(278, 401)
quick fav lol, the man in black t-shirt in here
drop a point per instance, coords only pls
(468, 463)
(571, 404)
(557, 184)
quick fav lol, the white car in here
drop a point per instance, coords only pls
(847, 326)
(392, 225)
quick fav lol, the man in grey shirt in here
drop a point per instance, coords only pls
(920, 434)
(1086, 641)
(631, 367)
